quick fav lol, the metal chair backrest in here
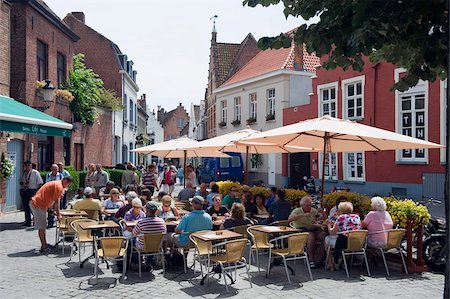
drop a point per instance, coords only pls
(112, 246)
(152, 242)
(395, 237)
(235, 250)
(356, 240)
(241, 229)
(259, 239)
(202, 247)
(82, 233)
(69, 221)
(297, 243)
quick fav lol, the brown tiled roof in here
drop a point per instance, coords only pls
(264, 62)
(310, 61)
(225, 56)
(275, 59)
(247, 50)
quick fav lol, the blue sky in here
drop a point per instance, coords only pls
(169, 40)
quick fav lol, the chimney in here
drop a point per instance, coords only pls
(79, 15)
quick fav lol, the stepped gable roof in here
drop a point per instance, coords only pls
(226, 53)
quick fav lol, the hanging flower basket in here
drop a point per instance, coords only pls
(236, 122)
(251, 120)
(222, 124)
(6, 168)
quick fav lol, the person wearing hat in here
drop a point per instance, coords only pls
(149, 225)
(196, 220)
(89, 203)
(167, 211)
(136, 213)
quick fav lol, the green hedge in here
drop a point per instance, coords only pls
(79, 177)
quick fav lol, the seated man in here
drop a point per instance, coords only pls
(149, 225)
(130, 196)
(89, 203)
(187, 192)
(280, 209)
(202, 191)
(231, 198)
(196, 220)
(306, 218)
(103, 193)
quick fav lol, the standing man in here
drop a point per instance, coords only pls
(30, 182)
(53, 175)
(101, 178)
(64, 173)
(48, 196)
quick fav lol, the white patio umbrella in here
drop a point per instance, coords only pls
(178, 148)
(329, 134)
(228, 143)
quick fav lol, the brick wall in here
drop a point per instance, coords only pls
(98, 51)
(4, 48)
(97, 140)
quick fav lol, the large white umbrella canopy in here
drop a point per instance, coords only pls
(228, 143)
(178, 148)
(182, 147)
(329, 134)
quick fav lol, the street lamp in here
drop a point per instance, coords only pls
(48, 91)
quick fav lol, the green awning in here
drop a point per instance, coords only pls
(20, 118)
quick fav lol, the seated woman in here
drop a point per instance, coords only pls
(261, 204)
(136, 213)
(216, 209)
(114, 202)
(237, 217)
(345, 222)
(167, 211)
(377, 222)
(249, 203)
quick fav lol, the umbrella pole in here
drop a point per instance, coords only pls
(184, 169)
(246, 164)
(322, 182)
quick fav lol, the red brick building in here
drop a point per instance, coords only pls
(42, 50)
(105, 58)
(173, 121)
(366, 97)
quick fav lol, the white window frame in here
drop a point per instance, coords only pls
(327, 86)
(421, 87)
(270, 101)
(237, 108)
(344, 83)
(443, 116)
(252, 168)
(346, 167)
(223, 111)
(253, 106)
(331, 178)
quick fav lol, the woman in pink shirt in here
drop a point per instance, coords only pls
(377, 222)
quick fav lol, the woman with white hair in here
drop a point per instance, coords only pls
(377, 222)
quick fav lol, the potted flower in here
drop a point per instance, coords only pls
(251, 120)
(39, 86)
(222, 124)
(270, 117)
(6, 168)
(65, 95)
(236, 122)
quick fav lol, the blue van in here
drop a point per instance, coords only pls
(221, 169)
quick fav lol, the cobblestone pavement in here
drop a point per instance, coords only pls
(25, 273)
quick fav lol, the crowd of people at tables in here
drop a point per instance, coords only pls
(239, 207)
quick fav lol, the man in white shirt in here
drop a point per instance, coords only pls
(31, 181)
(101, 178)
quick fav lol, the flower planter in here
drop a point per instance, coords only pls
(416, 265)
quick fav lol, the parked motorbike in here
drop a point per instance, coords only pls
(435, 245)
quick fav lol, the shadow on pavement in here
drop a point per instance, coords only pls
(11, 226)
(27, 253)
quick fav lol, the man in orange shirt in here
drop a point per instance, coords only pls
(48, 196)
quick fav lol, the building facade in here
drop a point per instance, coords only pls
(118, 75)
(366, 97)
(156, 134)
(256, 95)
(5, 44)
(42, 50)
(173, 122)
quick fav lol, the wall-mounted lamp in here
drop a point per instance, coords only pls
(48, 91)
